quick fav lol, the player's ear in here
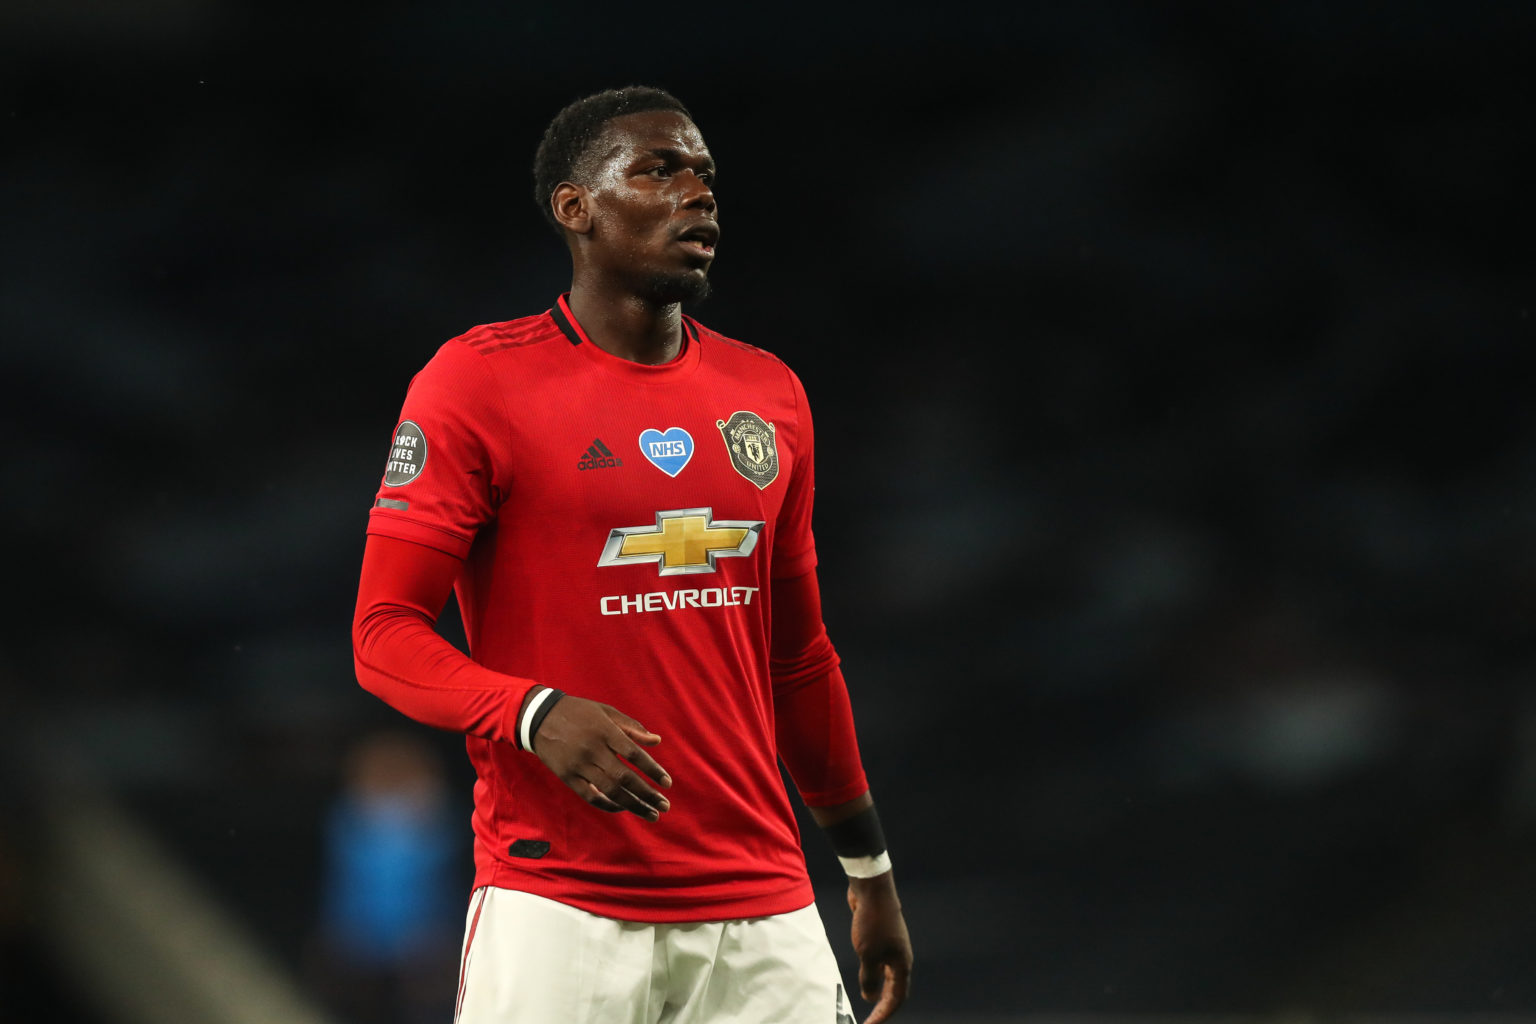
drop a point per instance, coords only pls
(569, 202)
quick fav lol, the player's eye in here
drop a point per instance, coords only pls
(659, 171)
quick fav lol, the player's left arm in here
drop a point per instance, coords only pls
(879, 930)
(816, 738)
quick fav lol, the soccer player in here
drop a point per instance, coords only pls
(621, 498)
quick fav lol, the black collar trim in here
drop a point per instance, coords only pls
(573, 334)
(564, 322)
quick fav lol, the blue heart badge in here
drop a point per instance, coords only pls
(669, 450)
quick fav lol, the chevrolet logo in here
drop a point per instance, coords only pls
(683, 540)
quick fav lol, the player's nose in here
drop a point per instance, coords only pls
(699, 195)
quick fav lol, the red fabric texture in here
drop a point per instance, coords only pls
(529, 468)
(812, 712)
(402, 659)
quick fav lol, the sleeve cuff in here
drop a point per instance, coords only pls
(840, 795)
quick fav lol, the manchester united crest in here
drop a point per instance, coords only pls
(750, 443)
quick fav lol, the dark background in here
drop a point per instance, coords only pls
(1176, 461)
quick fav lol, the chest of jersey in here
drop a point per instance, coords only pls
(659, 483)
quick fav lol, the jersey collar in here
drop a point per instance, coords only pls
(680, 365)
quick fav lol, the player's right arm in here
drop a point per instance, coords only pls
(402, 659)
(449, 469)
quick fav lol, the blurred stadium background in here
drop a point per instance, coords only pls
(1173, 372)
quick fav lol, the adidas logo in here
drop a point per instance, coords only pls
(597, 456)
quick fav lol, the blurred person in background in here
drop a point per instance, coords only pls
(622, 499)
(383, 953)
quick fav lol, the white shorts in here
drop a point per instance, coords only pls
(530, 960)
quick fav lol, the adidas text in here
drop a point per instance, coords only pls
(599, 456)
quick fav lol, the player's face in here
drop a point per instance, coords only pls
(653, 211)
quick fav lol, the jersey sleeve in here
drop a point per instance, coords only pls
(813, 717)
(402, 659)
(446, 474)
(794, 546)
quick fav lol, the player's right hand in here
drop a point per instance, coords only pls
(595, 749)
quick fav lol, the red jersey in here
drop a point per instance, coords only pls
(620, 526)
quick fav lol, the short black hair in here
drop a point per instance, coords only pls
(573, 131)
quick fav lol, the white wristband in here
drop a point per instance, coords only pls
(533, 705)
(866, 867)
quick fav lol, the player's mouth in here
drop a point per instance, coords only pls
(701, 239)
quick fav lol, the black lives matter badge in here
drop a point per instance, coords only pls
(407, 456)
(750, 443)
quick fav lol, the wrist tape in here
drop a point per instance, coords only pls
(860, 844)
(533, 715)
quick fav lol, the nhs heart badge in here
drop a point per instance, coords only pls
(668, 450)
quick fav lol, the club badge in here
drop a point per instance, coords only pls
(749, 442)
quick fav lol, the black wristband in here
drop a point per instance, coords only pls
(537, 718)
(858, 836)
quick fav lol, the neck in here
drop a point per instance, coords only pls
(626, 325)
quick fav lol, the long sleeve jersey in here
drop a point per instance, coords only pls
(622, 532)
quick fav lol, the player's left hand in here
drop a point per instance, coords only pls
(881, 940)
